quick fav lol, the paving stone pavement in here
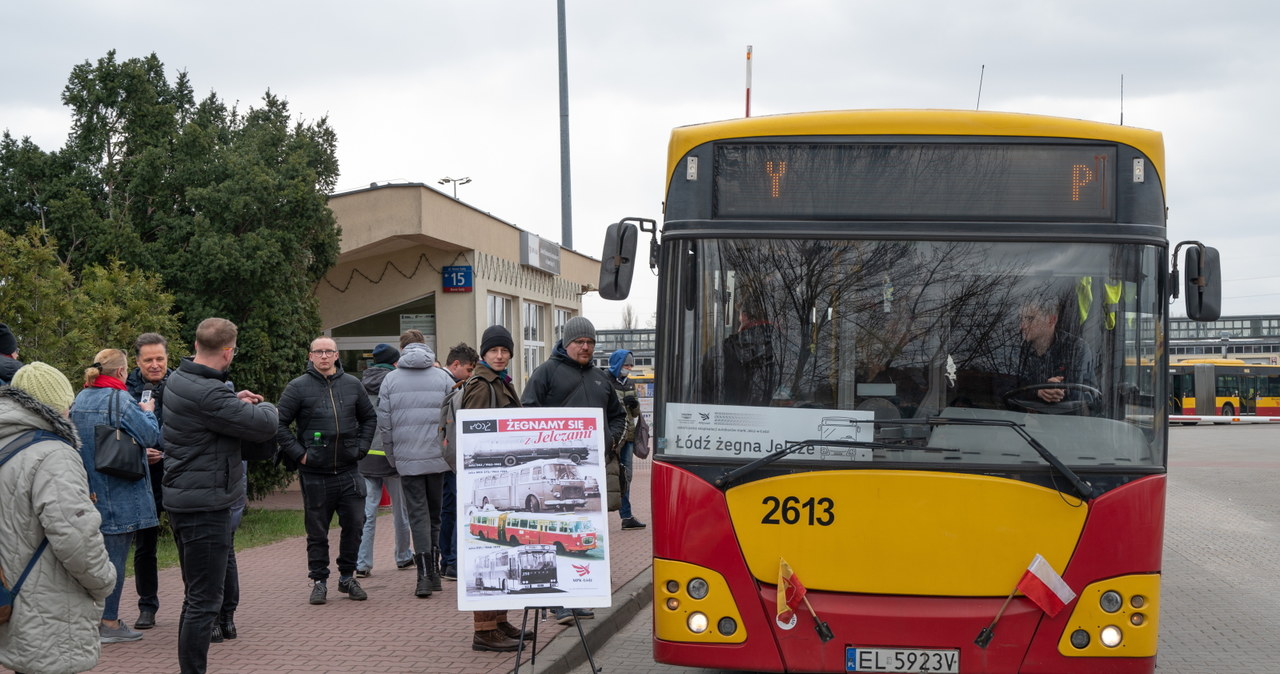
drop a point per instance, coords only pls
(392, 632)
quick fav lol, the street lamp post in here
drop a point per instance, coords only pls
(456, 181)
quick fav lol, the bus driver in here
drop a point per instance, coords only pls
(1049, 355)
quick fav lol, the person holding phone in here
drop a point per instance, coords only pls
(146, 382)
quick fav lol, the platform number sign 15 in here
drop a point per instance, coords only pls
(457, 279)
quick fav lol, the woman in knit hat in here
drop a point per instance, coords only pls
(54, 625)
(125, 505)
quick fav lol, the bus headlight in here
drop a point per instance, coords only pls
(698, 588)
(1110, 601)
(698, 622)
(1110, 636)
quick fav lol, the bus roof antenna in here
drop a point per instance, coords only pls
(982, 72)
(1121, 99)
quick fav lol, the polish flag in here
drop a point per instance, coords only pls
(1045, 587)
(790, 592)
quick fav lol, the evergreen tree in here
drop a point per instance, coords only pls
(229, 209)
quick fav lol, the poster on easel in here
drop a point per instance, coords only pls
(532, 522)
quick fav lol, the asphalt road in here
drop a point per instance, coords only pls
(1221, 590)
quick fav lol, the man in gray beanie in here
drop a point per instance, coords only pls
(571, 379)
(9, 363)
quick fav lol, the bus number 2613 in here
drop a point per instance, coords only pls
(790, 510)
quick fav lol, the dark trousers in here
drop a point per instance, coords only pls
(231, 587)
(323, 494)
(204, 542)
(146, 579)
(422, 494)
(449, 519)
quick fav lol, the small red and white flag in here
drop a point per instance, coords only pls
(790, 594)
(1045, 587)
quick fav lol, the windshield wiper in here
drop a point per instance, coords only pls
(1081, 487)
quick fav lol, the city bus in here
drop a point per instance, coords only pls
(546, 484)
(520, 569)
(565, 532)
(899, 366)
(1223, 387)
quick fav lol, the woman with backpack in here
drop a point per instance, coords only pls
(490, 387)
(48, 523)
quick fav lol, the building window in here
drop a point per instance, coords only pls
(535, 345)
(562, 316)
(500, 311)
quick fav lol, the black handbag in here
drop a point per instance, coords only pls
(115, 452)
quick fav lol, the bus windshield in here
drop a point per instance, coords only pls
(830, 335)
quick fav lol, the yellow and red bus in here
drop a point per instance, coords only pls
(568, 533)
(900, 352)
(1223, 387)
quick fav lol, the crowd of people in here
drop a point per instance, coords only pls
(193, 434)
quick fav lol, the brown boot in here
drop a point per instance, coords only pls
(493, 640)
(514, 632)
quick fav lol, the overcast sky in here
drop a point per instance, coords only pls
(422, 90)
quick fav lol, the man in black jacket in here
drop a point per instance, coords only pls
(570, 379)
(152, 352)
(9, 363)
(205, 424)
(335, 426)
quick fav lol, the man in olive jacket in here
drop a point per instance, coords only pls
(208, 432)
(335, 425)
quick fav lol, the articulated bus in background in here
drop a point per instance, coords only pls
(1223, 387)
(902, 351)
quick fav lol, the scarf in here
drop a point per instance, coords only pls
(106, 381)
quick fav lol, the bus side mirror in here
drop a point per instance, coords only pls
(1203, 286)
(617, 262)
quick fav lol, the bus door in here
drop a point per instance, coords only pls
(1206, 390)
(1180, 391)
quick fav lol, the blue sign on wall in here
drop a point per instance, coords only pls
(457, 279)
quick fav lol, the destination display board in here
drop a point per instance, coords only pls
(906, 181)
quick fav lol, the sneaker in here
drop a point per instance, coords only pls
(351, 588)
(406, 564)
(363, 573)
(450, 572)
(119, 633)
(632, 523)
(319, 592)
(565, 616)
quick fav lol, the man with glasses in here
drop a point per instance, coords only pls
(334, 426)
(570, 379)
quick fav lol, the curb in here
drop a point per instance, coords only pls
(564, 652)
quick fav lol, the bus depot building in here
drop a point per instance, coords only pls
(413, 257)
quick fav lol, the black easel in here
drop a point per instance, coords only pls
(538, 613)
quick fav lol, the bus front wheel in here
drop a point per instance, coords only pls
(508, 461)
(531, 504)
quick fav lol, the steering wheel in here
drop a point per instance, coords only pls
(1035, 404)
